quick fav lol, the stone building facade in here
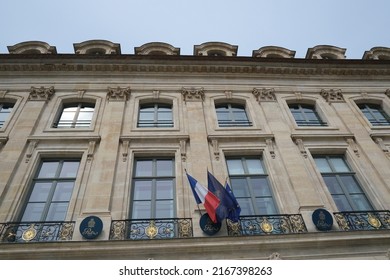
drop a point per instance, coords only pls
(94, 147)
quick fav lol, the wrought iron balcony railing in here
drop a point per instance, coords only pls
(267, 224)
(363, 220)
(36, 232)
(151, 229)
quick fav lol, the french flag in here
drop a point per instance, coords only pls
(203, 195)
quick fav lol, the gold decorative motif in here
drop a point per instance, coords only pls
(30, 233)
(234, 228)
(151, 230)
(342, 221)
(373, 221)
(266, 226)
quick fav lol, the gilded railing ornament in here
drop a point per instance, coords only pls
(341, 221)
(266, 226)
(151, 230)
(30, 233)
(234, 227)
(373, 221)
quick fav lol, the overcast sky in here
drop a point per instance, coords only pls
(356, 25)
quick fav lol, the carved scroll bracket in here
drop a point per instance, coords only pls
(41, 94)
(193, 94)
(118, 94)
(271, 147)
(351, 142)
(30, 149)
(183, 149)
(125, 150)
(301, 147)
(91, 150)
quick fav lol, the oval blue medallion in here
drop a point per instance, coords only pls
(322, 219)
(207, 225)
(91, 227)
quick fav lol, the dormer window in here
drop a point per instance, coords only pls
(215, 49)
(99, 47)
(32, 47)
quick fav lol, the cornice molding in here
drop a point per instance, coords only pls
(203, 65)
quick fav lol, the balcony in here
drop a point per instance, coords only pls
(363, 220)
(36, 232)
(151, 229)
(267, 224)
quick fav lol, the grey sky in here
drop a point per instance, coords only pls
(356, 25)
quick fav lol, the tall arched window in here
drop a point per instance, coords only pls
(155, 115)
(75, 115)
(305, 115)
(230, 115)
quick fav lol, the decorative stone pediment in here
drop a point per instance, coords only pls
(325, 52)
(193, 94)
(273, 52)
(215, 49)
(118, 94)
(264, 94)
(377, 53)
(332, 95)
(157, 48)
(32, 47)
(97, 47)
(41, 94)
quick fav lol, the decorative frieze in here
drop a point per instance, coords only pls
(41, 94)
(332, 95)
(264, 94)
(118, 94)
(193, 94)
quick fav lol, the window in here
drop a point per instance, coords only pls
(232, 115)
(5, 111)
(305, 115)
(155, 115)
(76, 115)
(250, 185)
(51, 191)
(375, 114)
(342, 184)
(153, 189)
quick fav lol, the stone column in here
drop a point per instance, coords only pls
(13, 150)
(101, 182)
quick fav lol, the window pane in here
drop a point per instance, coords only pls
(333, 185)
(351, 184)
(235, 167)
(254, 166)
(339, 165)
(63, 191)
(164, 167)
(361, 202)
(57, 211)
(40, 192)
(240, 187)
(342, 203)
(265, 206)
(246, 206)
(142, 190)
(260, 187)
(48, 169)
(322, 165)
(143, 168)
(164, 189)
(141, 210)
(164, 209)
(69, 169)
(33, 212)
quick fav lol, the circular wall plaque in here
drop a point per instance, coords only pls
(207, 225)
(91, 227)
(322, 219)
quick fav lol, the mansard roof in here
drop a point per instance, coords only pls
(158, 48)
(97, 47)
(32, 47)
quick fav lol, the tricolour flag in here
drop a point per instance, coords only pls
(203, 195)
(228, 207)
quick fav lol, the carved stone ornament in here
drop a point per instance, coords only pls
(30, 149)
(264, 94)
(193, 94)
(332, 95)
(118, 94)
(301, 147)
(41, 94)
(271, 147)
(351, 142)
